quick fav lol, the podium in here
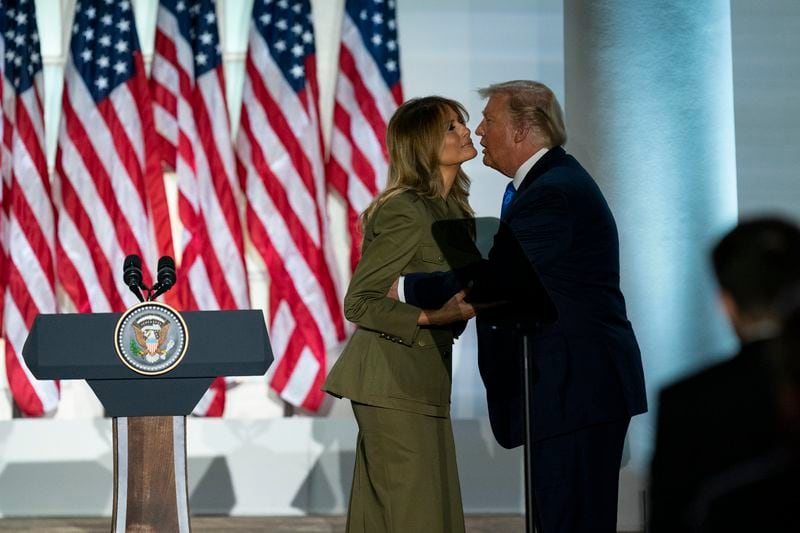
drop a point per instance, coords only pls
(149, 411)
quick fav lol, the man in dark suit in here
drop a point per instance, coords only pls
(725, 457)
(589, 371)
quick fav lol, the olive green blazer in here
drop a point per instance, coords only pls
(390, 361)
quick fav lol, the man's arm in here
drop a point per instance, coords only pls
(429, 290)
(396, 238)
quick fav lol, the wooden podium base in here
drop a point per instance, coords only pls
(150, 484)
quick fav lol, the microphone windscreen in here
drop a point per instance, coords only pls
(132, 260)
(132, 274)
(166, 262)
(166, 272)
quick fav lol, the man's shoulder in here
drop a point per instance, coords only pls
(565, 170)
(559, 170)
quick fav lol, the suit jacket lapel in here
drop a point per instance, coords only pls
(548, 161)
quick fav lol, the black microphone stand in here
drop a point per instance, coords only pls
(132, 276)
(507, 275)
(531, 516)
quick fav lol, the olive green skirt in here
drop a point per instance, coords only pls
(405, 477)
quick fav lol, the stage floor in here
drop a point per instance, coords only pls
(273, 524)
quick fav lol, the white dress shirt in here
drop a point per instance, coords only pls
(526, 167)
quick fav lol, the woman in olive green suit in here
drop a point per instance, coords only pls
(397, 367)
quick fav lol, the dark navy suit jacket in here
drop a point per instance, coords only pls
(721, 460)
(587, 362)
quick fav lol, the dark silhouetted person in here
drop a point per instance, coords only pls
(725, 458)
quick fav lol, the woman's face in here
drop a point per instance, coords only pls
(457, 145)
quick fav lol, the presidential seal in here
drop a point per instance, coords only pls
(151, 338)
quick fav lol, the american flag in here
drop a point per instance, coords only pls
(191, 118)
(367, 93)
(279, 148)
(112, 200)
(28, 222)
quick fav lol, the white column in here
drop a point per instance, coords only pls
(649, 105)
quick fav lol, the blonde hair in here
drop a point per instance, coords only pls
(414, 138)
(532, 104)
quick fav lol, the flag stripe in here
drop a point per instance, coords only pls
(33, 255)
(112, 197)
(95, 148)
(27, 230)
(367, 93)
(280, 165)
(83, 249)
(34, 397)
(365, 67)
(284, 138)
(267, 218)
(365, 99)
(304, 332)
(191, 116)
(297, 205)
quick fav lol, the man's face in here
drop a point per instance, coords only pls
(497, 136)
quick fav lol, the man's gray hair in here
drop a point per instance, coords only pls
(533, 105)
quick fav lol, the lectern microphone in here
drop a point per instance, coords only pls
(166, 276)
(132, 275)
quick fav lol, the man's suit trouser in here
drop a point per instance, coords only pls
(576, 478)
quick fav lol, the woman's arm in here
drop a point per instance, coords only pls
(397, 230)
